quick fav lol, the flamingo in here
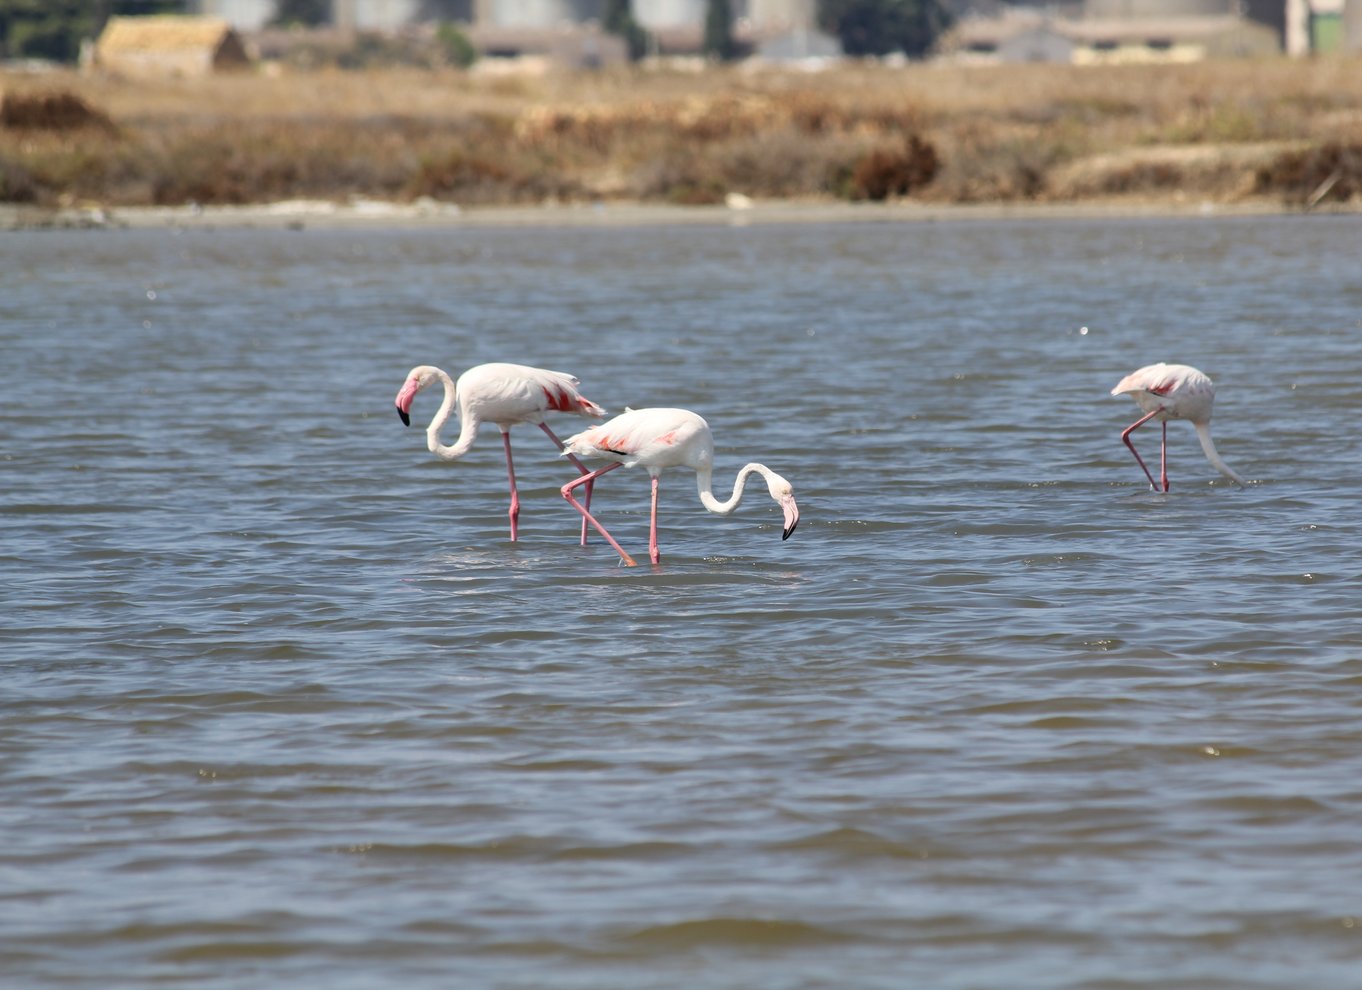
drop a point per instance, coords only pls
(505, 394)
(1172, 391)
(658, 439)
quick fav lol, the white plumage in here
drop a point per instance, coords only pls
(504, 394)
(656, 439)
(1172, 391)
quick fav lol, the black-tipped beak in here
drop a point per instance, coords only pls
(402, 413)
(791, 517)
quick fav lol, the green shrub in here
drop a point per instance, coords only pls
(458, 50)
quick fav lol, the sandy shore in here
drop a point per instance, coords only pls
(301, 214)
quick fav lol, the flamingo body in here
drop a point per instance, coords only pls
(651, 438)
(657, 439)
(504, 394)
(1172, 391)
(500, 393)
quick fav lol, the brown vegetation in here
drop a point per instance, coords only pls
(49, 111)
(1218, 130)
(885, 172)
(1310, 174)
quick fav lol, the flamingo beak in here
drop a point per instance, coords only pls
(791, 517)
(404, 398)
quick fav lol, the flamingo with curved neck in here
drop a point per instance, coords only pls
(657, 439)
(504, 394)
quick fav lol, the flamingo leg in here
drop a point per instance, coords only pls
(1125, 438)
(587, 479)
(580, 467)
(1163, 457)
(653, 553)
(514, 512)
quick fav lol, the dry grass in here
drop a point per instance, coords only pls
(1217, 130)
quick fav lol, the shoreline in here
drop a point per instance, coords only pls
(325, 215)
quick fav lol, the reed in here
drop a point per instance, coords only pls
(939, 133)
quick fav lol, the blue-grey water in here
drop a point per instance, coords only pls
(282, 706)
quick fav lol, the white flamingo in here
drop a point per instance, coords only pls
(1172, 391)
(657, 439)
(504, 394)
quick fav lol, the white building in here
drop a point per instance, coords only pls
(523, 13)
(771, 17)
(659, 15)
(244, 15)
(374, 15)
(390, 15)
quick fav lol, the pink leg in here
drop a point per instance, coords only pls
(510, 473)
(587, 479)
(1125, 438)
(652, 528)
(580, 467)
(1163, 457)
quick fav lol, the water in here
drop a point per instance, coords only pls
(283, 706)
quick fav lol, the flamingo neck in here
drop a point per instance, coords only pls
(468, 427)
(1203, 432)
(703, 478)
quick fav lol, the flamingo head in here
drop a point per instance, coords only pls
(417, 379)
(783, 493)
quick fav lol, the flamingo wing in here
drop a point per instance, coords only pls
(518, 393)
(559, 392)
(1151, 378)
(655, 438)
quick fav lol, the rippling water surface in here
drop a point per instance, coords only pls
(282, 706)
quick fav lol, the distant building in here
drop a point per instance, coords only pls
(532, 14)
(1352, 26)
(1068, 31)
(1156, 30)
(1317, 26)
(657, 15)
(1171, 39)
(391, 15)
(798, 45)
(1040, 43)
(351, 15)
(787, 31)
(168, 45)
(1125, 10)
(675, 26)
(1092, 35)
(583, 47)
(772, 17)
(244, 15)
